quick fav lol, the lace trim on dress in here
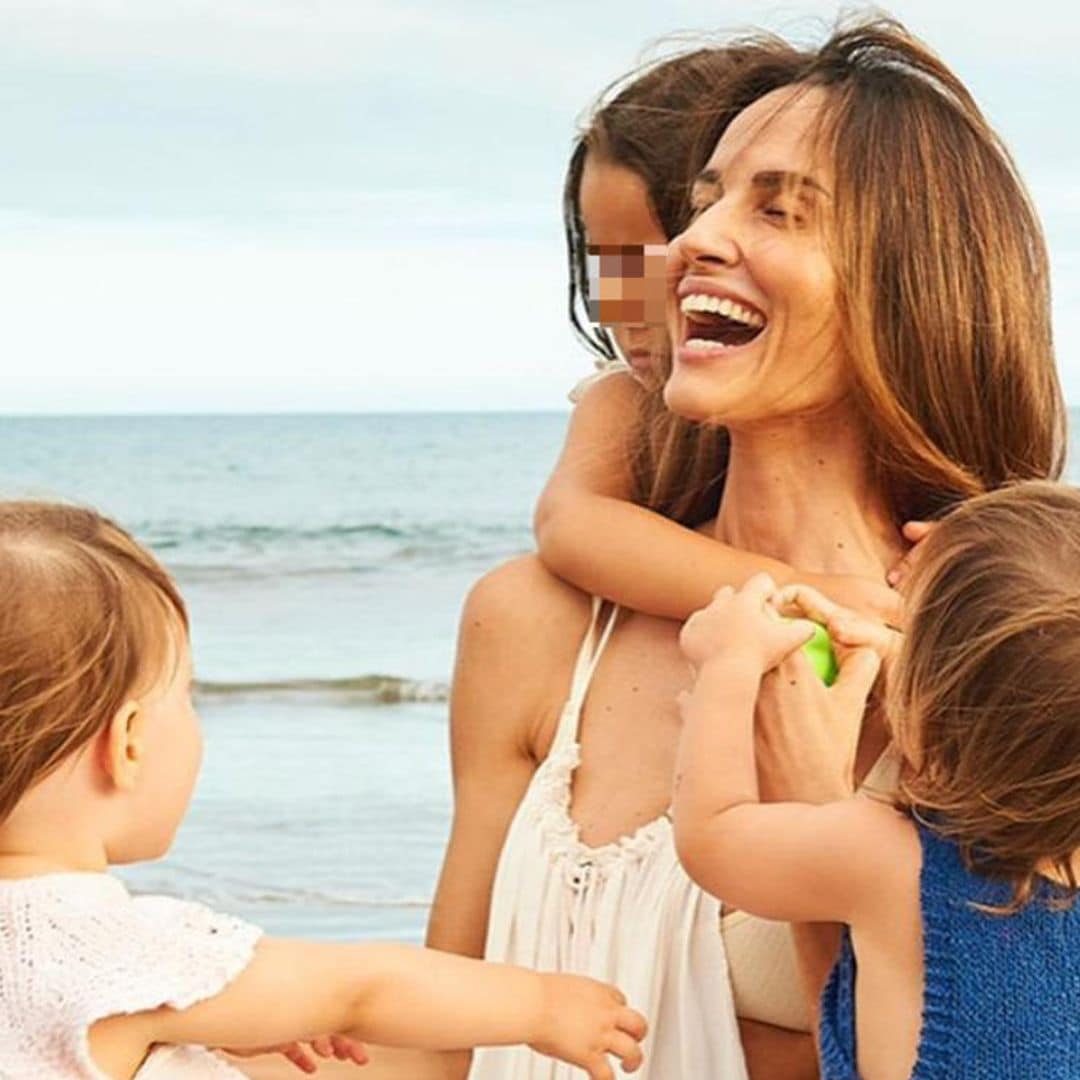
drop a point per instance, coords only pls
(550, 812)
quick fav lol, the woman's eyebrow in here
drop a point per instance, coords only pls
(708, 178)
(771, 180)
(779, 180)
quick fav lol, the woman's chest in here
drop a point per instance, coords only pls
(629, 731)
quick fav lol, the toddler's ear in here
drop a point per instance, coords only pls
(122, 751)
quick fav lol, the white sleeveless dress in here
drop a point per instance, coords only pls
(625, 912)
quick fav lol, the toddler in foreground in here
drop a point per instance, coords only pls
(99, 750)
(961, 954)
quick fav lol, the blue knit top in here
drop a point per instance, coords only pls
(1002, 993)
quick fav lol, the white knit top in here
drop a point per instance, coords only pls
(604, 368)
(625, 912)
(77, 948)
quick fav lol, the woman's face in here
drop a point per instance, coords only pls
(617, 213)
(752, 301)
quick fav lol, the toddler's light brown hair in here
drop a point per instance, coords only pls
(88, 620)
(985, 699)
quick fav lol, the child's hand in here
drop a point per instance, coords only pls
(848, 629)
(341, 1047)
(869, 598)
(584, 1021)
(743, 624)
(915, 532)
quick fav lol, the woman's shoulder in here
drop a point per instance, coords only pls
(523, 597)
(521, 630)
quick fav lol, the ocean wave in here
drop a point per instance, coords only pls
(164, 538)
(221, 551)
(168, 536)
(189, 883)
(247, 571)
(355, 690)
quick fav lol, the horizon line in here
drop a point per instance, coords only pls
(140, 414)
(233, 414)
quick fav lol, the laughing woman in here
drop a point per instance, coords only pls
(874, 236)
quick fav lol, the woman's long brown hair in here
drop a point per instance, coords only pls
(943, 297)
(944, 290)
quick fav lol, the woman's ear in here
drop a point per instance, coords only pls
(124, 745)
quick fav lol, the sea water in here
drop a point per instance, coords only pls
(325, 560)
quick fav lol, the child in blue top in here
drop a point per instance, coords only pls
(961, 949)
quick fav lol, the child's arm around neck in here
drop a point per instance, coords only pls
(590, 534)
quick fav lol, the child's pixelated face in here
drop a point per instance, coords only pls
(755, 325)
(627, 262)
(171, 755)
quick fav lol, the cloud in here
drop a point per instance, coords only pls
(539, 48)
(130, 318)
(303, 41)
(238, 188)
(190, 108)
(468, 325)
(268, 37)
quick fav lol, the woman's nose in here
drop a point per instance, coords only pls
(707, 242)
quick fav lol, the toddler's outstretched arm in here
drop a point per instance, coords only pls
(589, 532)
(399, 995)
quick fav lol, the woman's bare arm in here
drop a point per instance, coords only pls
(519, 632)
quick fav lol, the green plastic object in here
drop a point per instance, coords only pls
(820, 651)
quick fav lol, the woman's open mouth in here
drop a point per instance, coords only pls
(716, 324)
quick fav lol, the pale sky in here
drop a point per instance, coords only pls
(232, 205)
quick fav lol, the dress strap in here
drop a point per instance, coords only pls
(584, 669)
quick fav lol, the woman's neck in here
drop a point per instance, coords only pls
(800, 490)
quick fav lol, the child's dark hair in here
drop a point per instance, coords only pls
(89, 619)
(985, 700)
(662, 121)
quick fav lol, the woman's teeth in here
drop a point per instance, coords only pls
(703, 344)
(725, 308)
